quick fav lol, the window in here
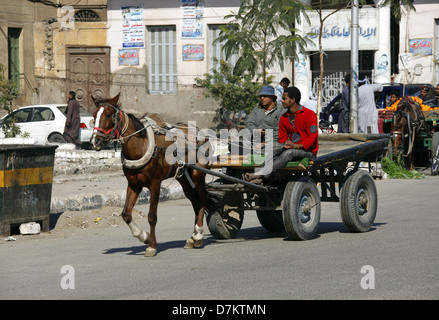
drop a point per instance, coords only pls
(216, 50)
(87, 16)
(14, 55)
(162, 59)
(42, 114)
(19, 116)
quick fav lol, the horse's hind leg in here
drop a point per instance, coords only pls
(200, 186)
(198, 198)
(130, 201)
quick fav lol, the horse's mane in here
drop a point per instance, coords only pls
(138, 125)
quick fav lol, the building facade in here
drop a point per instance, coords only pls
(159, 48)
(419, 44)
(17, 39)
(150, 52)
(389, 51)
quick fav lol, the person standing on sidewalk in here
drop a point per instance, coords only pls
(343, 118)
(367, 111)
(71, 128)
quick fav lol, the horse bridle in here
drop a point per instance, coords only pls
(117, 131)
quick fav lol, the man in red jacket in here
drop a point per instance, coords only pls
(298, 136)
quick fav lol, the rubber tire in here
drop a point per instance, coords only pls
(222, 224)
(358, 217)
(56, 138)
(435, 154)
(296, 194)
(271, 220)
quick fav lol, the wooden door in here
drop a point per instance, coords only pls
(88, 73)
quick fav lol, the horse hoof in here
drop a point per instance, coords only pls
(198, 243)
(189, 244)
(150, 252)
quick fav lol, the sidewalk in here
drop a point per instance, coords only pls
(87, 179)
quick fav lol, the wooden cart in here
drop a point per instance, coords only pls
(292, 198)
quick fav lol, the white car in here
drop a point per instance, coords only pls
(45, 123)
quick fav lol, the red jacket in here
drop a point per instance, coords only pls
(300, 127)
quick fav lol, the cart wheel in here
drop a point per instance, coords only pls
(301, 209)
(271, 219)
(222, 220)
(435, 154)
(358, 202)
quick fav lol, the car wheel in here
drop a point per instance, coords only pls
(56, 138)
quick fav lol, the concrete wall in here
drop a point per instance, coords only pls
(51, 73)
(420, 25)
(22, 14)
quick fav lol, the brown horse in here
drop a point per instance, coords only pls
(148, 158)
(407, 121)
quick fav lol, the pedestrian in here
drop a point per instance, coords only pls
(343, 118)
(279, 89)
(298, 137)
(367, 111)
(71, 128)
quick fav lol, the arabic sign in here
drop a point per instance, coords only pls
(421, 47)
(192, 12)
(193, 52)
(336, 33)
(128, 57)
(132, 27)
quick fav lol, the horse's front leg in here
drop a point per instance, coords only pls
(412, 163)
(130, 201)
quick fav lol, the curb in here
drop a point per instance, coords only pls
(116, 199)
(75, 165)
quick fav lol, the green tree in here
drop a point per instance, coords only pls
(395, 7)
(254, 34)
(234, 92)
(8, 92)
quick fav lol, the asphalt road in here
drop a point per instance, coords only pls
(396, 259)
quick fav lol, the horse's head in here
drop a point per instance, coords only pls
(107, 121)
